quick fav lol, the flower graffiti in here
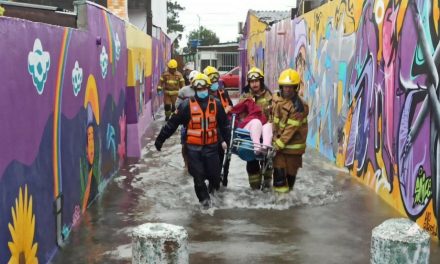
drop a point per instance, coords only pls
(38, 65)
(103, 62)
(22, 248)
(77, 78)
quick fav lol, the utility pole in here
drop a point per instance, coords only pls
(149, 18)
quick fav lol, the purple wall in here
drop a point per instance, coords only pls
(63, 125)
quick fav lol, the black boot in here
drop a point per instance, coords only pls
(291, 181)
(225, 181)
(255, 181)
(206, 204)
(280, 181)
(267, 179)
(265, 187)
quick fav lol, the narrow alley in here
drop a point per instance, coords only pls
(309, 225)
(349, 90)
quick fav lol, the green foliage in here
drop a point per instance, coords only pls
(173, 22)
(207, 37)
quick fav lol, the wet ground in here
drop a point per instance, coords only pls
(328, 217)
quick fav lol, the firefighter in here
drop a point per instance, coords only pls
(218, 91)
(289, 131)
(170, 83)
(263, 98)
(206, 123)
(186, 72)
(217, 88)
(184, 93)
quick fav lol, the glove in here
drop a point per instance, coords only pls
(159, 90)
(158, 144)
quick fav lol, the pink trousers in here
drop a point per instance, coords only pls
(257, 130)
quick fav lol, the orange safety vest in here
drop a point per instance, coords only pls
(223, 100)
(202, 127)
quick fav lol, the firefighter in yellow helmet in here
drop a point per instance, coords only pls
(206, 124)
(217, 90)
(257, 91)
(170, 83)
(289, 130)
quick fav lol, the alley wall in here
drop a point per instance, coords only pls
(372, 92)
(66, 101)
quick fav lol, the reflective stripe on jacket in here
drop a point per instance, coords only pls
(290, 127)
(171, 82)
(202, 127)
(223, 99)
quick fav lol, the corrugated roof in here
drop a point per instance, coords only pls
(270, 17)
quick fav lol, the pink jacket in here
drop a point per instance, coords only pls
(246, 111)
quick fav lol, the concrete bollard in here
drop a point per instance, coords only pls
(160, 243)
(399, 241)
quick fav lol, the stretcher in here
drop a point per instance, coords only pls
(241, 144)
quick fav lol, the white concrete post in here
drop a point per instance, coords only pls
(160, 243)
(399, 241)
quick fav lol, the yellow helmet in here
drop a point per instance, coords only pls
(254, 74)
(289, 77)
(212, 73)
(172, 64)
(200, 80)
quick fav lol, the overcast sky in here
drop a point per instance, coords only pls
(222, 16)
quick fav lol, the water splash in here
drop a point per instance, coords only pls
(168, 185)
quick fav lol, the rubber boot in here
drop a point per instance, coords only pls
(168, 112)
(267, 179)
(280, 181)
(254, 181)
(291, 181)
(206, 204)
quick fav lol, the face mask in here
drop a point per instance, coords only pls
(202, 94)
(214, 87)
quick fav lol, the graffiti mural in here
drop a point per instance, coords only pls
(62, 123)
(160, 56)
(147, 56)
(370, 74)
(22, 228)
(255, 34)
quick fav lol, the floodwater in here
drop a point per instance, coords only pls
(328, 217)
